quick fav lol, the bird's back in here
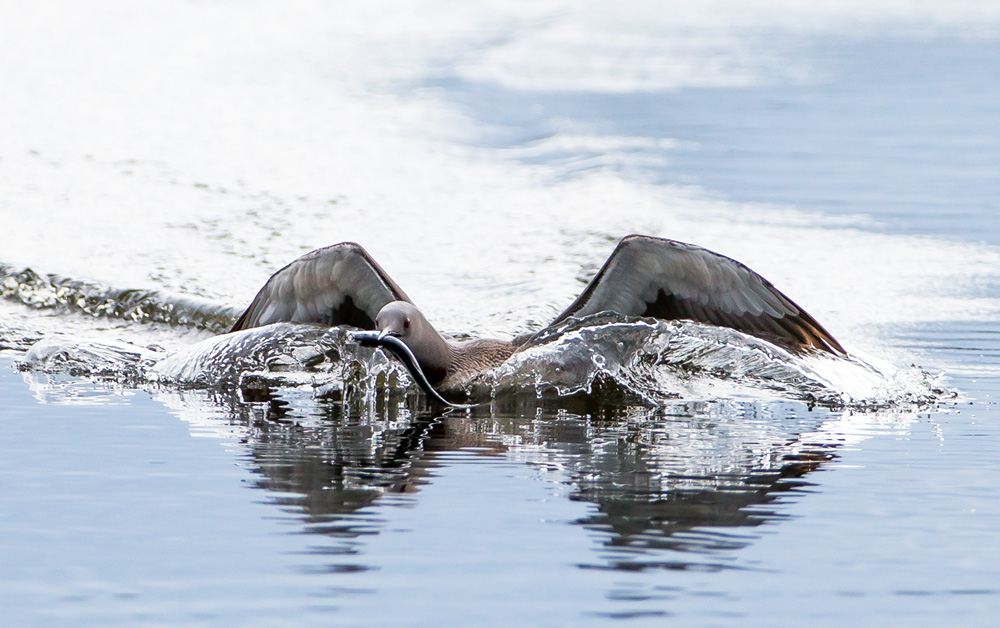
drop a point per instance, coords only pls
(474, 358)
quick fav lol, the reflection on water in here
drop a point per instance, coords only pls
(676, 488)
(647, 494)
(329, 429)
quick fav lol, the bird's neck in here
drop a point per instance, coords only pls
(434, 354)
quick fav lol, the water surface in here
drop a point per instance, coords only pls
(159, 163)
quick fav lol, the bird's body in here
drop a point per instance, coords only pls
(473, 358)
(644, 277)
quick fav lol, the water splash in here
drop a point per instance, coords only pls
(120, 361)
(604, 357)
(279, 348)
(56, 292)
(657, 361)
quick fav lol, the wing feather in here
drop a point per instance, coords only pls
(658, 278)
(335, 285)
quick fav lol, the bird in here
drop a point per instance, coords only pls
(645, 276)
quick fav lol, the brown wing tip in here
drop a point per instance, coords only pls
(813, 337)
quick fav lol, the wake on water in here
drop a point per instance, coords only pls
(649, 362)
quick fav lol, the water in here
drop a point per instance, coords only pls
(162, 161)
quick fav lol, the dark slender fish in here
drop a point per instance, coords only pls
(399, 349)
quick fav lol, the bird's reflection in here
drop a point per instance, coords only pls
(690, 479)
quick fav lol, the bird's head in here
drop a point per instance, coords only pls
(400, 319)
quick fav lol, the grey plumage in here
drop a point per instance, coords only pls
(334, 285)
(658, 278)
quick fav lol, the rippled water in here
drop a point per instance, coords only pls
(159, 162)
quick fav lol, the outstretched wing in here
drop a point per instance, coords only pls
(335, 285)
(653, 277)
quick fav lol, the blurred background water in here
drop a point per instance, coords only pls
(489, 156)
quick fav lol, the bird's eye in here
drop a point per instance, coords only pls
(406, 324)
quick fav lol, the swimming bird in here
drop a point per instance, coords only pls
(644, 276)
